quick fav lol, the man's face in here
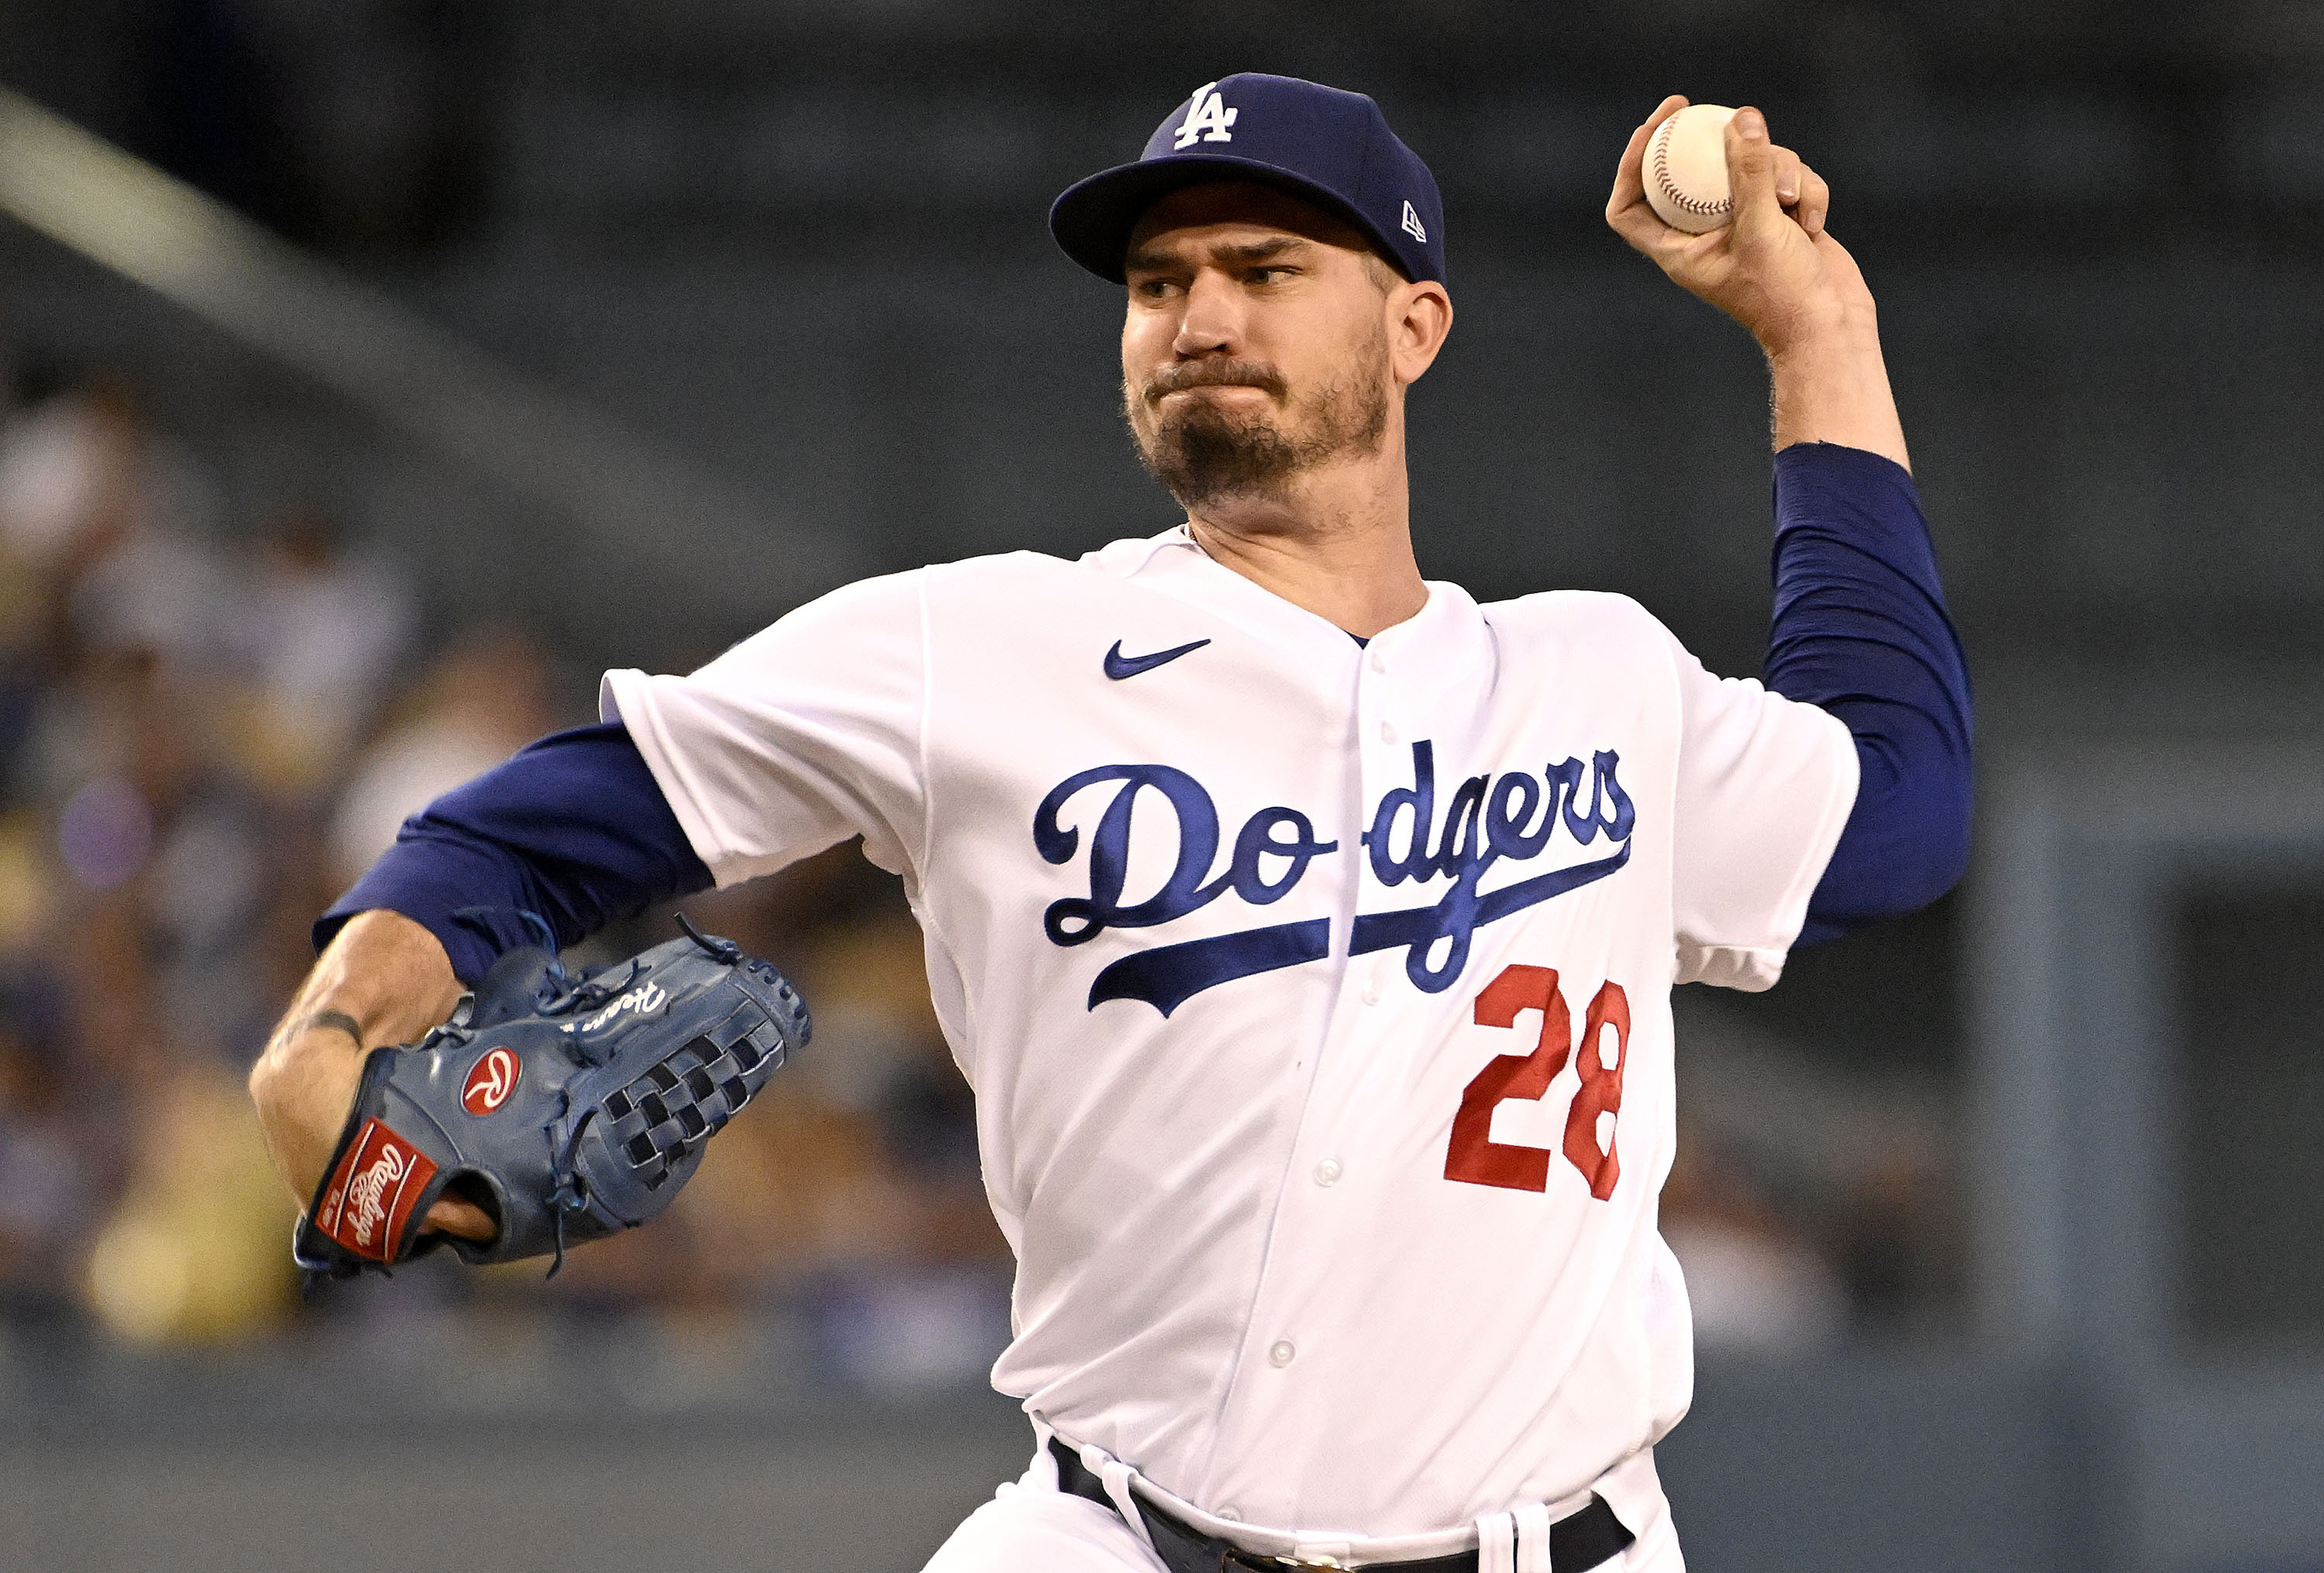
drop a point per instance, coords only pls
(1255, 342)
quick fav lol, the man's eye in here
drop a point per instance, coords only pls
(1152, 289)
(1270, 275)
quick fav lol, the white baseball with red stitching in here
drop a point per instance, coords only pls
(1685, 171)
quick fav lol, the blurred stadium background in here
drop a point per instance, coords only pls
(595, 334)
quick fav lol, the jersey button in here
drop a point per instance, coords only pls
(1388, 731)
(1283, 1352)
(1380, 662)
(1327, 1173)
(1372, 995)
(1230, 1513)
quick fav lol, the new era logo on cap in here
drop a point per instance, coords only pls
(1330, 147)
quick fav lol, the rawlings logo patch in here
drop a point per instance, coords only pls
(490, 1083)
(372, 1195)
(641, 1001)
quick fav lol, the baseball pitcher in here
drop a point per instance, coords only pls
(1307, 928)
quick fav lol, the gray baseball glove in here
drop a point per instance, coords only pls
(567, 1109)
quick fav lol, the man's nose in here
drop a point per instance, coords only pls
(1213, 321)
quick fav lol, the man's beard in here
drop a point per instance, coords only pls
(1203, 453)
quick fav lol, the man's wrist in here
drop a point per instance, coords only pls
(338, 1021)
(1833, 388)
(1837, 333)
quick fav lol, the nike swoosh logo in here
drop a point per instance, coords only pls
(1119, 665)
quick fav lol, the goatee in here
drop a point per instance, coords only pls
(1203, 453)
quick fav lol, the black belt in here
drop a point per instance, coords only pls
(1577, 1541)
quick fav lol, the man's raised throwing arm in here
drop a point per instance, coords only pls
(1860, 626)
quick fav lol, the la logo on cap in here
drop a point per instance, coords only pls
(1207, 117)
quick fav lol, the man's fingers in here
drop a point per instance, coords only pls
(1814, 204)
(1629, 177)
(1751, 160)
(452, 1215)
(1787, 175)
(1801, 190)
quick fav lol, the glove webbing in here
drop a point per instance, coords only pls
(679, 1103)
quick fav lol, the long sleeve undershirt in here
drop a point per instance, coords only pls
(1860, 631)
(575, 832)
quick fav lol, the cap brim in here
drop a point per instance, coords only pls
(1092, 219)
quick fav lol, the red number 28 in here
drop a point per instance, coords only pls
(1473, 1157)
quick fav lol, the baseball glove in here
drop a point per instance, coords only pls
(569, 1110)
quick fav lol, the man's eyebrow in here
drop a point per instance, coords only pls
(1155, 260)
(1261, 251)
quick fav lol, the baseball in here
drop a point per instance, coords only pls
(1686, 169)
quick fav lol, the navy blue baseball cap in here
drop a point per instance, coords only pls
(1333, 148)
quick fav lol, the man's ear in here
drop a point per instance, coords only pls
(1419, 319)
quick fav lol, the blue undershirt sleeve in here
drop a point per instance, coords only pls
(571, 834)
(1860, 630)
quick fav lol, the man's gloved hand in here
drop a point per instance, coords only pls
(568, 1110)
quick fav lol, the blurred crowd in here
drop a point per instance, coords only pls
(209, 726)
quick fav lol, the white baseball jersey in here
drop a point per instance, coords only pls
(1315, 996)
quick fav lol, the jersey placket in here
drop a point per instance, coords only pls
(1266, 1432)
